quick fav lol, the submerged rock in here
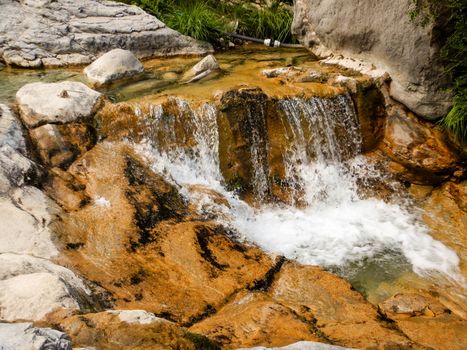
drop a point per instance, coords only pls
(23, 336)
(65, 32)
(114, 65)
(64, 102)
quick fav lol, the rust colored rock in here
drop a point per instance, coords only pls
(419, 147)
(131, 329)
(341, 314)
(419, 316)
(137, 239)
(445, 213)
(255, 319)
(61, 145)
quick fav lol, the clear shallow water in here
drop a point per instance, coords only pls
(161, 75)
(367, 240)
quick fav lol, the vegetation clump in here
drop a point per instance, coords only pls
(453, 53)
(208, 20)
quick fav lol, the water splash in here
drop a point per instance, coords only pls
(336, 227)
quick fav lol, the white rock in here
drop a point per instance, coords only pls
(30, 297)
(207, 63)
(136, 316)
(11, 130)
(12, 265)
(34, 33)
(281, 71)
(21, 233)
(64, 102)
(114, 65)
(15, 167)
(33, 201)
(202, 69)
(23, 336)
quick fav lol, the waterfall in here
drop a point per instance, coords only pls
(335, 227)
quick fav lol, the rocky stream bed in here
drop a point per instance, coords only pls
(258, 198)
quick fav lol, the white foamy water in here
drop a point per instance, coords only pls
(336, 226)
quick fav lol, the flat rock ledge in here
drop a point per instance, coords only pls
(53, 33)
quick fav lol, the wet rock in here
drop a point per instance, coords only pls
(288, 72)
(118, 330)
(341, 314)
(58, 103)
(60, 145)
(445, 212)
(407, 305)
(207, 66)
(56, 33)
(418, 315)
(253, 319)
(23, 336)
(419, 147)
(66, 190)
(114, 65)
(207, 63)
(145, 241)
(383, 36)
(303, 345)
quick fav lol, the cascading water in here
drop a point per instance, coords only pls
(335, 227)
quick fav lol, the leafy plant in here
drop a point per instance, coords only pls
(453, 53)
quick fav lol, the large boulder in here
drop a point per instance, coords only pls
(381, 33)
(38, 33)
(114, 65)
(64, 102)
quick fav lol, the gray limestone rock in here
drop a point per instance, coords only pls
(15, 168)
(381, 34)
(23, 336)
(35, 33)
(59, 103)
(114, 65)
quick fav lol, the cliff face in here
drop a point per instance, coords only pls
(381, 34)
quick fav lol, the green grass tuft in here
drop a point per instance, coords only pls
(197, 18)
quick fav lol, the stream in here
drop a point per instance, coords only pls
(380, 245)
